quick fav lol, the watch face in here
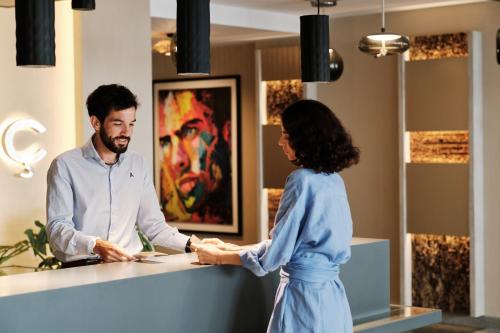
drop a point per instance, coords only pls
(498, 46)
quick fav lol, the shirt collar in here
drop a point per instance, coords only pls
(89, 151)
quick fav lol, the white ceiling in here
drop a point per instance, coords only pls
(343, 8)
(263, 19)
(219, 34)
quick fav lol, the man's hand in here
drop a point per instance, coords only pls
(221, 245)
(195, 242)
(110, 252)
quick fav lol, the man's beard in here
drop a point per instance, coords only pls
(109, 142)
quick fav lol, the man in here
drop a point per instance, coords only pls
(195, 156)
(96, 194)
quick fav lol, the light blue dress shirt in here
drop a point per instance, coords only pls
(89, 200)
(310, 240)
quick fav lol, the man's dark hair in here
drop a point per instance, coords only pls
(111, 97)
(320, 141)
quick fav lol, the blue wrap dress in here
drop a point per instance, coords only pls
(310, 240)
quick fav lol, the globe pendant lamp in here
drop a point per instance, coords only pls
(336, 65)
(84, 5)
(498, 46)
(383, 43)
(193, 37)
(35, 33)
(314, 41)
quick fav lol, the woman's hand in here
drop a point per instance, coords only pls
(209, 254)
(221, 245)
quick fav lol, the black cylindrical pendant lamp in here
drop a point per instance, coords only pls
(83, 4)
(193, 37)
(35, 33)
(314, 46)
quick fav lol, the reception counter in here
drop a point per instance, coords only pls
(173, 294)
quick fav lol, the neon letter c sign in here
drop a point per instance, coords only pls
(30, 155)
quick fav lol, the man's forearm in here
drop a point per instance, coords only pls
(65, 238)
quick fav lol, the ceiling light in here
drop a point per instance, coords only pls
(323, 3)
(167, 46)
(336, 65)
(35, 33)
(383, 43)
(83, 4)
(314, 41)
(193, 37)
(498, 46)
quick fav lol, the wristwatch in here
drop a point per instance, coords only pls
(187, 249)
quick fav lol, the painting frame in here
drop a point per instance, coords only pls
(200, 84)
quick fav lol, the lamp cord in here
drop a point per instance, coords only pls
(383, 15)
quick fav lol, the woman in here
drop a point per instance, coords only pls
(313, 227)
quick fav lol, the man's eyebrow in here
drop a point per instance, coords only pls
(191, 123)
(117, 119)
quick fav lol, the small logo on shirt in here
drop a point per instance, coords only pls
(131, 175)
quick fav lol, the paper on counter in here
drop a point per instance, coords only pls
(150, 257)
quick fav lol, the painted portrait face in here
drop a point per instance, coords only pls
(188, 141)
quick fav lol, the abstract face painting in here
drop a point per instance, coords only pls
(195, 148)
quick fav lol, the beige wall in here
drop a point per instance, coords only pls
(437, 94)
(231, 60)
(47, 95)
(366, 100)
(113, 46)
(438, 199)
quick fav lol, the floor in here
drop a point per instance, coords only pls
(463, 324)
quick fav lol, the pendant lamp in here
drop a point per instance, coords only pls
(83, 4)
(384, 43)
(314, 41)
(35, 33)
(167, 47)
(323, 3)
(498, 46)
(193, 37)
(336, 65)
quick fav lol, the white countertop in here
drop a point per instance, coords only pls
(360, 241)
(71, 277)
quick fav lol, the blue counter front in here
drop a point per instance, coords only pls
(174, 295)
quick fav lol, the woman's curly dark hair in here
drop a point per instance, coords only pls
(318, 138)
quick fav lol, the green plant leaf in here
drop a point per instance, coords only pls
(147, 246)
(31, 238)
(37, 241)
